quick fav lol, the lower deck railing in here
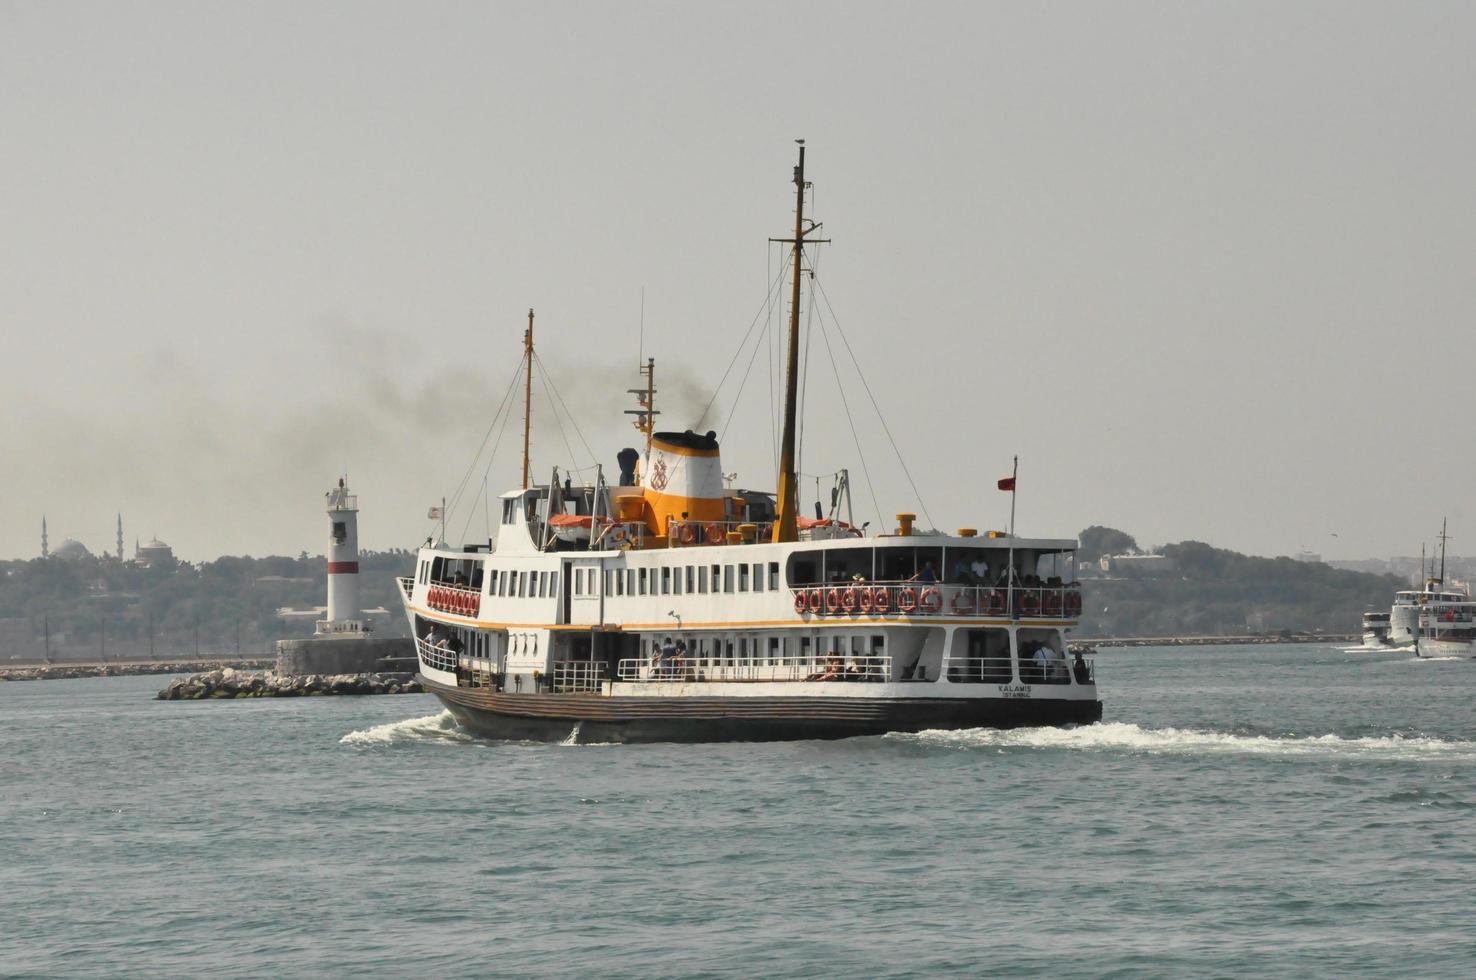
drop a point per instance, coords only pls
(436, 655)
(822, 668)
(578, 676)
(1001, 670)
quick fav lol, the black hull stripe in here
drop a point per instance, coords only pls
(600, 708)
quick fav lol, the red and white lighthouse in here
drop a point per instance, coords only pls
(343, 562)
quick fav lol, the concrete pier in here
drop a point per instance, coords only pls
(356, 655)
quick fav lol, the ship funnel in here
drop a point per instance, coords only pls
(684, 480)
(627, 458)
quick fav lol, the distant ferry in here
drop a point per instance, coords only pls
(1404, 617)
(672, 608)
(1448, 629)
(1409, 606)
(1376, 630)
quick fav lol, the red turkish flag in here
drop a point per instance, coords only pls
(1008, 483)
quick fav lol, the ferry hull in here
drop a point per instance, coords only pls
(597, 718)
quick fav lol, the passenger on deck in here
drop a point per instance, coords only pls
(832, 672)
(458, 579)
(679, 657)
(1080, 669)
(661, 662)
(980, 570)
(926, 575)
(961, 573)
(1042, 661)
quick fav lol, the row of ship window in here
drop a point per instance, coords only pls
(679, 580)
(755, 648)
(662, 580)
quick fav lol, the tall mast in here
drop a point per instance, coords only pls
(785, 526)
(527, 394)
(1442, 551)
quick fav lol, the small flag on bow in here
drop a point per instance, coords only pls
(1008, 483)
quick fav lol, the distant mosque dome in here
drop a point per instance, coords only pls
(71, 549)
(154, 552)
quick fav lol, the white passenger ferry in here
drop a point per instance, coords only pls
(671, 608)
(1447, 629)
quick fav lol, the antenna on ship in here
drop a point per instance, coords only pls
(645, 416)
(786, 526)
(527, 394)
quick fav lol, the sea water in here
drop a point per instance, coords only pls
(1246, 811)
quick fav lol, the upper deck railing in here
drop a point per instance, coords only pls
(690, 534)
(407, 585)
(932, 599)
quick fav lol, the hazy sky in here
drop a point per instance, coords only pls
(1205, 267)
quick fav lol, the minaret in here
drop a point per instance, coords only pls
(343, 560)
(120, 537)
(45, 551)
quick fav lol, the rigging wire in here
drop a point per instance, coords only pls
(741, 345)
(742, 383)
(594, 460)
(851, 421)
(553, 408)
(774, 406)
(507, 396)
(804, 370)
(880, 417)
(503, 410)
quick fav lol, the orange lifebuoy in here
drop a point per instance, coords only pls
(714, 533)
(848, 599)
(1029, 602)
(964, 603)
(881, 599)
(866, 599)
(799, 602)
(930, 601)
(996, 602)
(689, 534)
(1052, 604)
(1073, 602)
(832, 599)
(813, 600)
(906, 600)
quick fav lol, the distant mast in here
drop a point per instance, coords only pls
(1443, 537)
(786, 527)
(527, 394)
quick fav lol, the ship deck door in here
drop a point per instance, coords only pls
(583, 588)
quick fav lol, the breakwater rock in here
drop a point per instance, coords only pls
(62, 672)
(230, 683)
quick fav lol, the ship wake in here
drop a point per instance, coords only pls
(1124, 737)
(440, 727)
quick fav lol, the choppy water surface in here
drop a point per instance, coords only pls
(1241, 811)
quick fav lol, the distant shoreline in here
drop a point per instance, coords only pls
(130, 668)
(1208, 641)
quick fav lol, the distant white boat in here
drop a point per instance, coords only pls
(1376, 630)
